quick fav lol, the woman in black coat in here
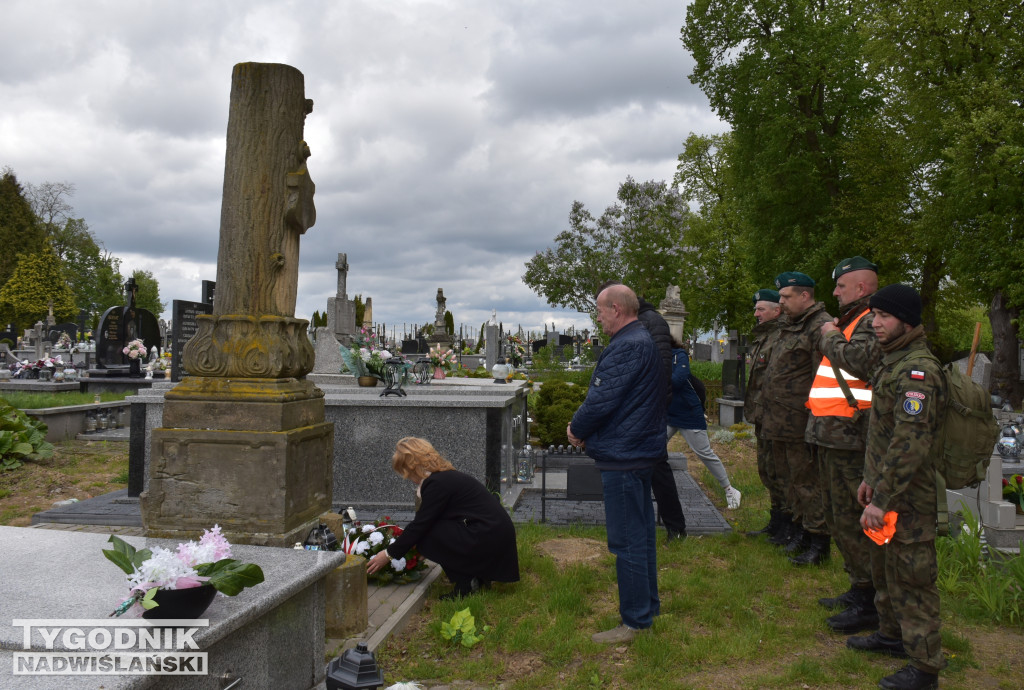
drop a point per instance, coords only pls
(458, 523)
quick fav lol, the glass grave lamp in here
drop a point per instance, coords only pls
(423, 371)
(524, 472)
(394, 377)
(356, 668)
(501, 371)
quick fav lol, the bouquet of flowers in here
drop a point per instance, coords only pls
(136, 349)
(366, 357)
(1013, 491)
(64, 341)
(369, 540)
(516, 350)
(30, 370)
(442, 358)
(191, 565)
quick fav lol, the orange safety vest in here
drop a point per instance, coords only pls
(826, 398)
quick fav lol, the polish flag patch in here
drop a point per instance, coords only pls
(917, 375)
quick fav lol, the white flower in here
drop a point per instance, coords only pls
(398, 564)
(163, 569)
(392, 541)
(368, 528)
(376, 538)
(385, 354)
(361, 548)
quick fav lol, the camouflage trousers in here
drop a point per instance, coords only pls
(907, 599)
(804, 491)
(841, 473)
(774, 478)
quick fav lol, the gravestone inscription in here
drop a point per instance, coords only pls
(184, 324)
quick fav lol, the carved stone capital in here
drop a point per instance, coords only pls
(245, 346)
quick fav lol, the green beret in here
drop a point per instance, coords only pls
(793, 279)
(856, 263)
(766, 295)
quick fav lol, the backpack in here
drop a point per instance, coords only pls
(967, 433)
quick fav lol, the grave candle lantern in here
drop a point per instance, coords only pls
(394, 377)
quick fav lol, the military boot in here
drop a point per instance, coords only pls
(775, 522)
(784, 532)
(842, 601)
(819, 550)
(877, 642)
(910, 678)
(800, 540)
(861, 615)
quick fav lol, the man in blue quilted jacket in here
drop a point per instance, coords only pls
(622, 426)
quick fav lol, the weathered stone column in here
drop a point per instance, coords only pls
(244, 443)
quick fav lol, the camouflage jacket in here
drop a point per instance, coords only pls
(906, 411)
(764, 337)
(788, 376)
(859, 356)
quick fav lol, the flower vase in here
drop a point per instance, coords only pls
(135, 369)
(185, 604)
(367, 381)
(438, 372)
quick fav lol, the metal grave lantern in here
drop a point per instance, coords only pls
(356, 668)
(423, 371)
(394, 377)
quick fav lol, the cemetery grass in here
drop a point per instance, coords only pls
(735, 614)
(26, 400)
(78, 469)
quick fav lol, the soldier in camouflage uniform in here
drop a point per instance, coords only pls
(787, 381)
(839, 430)
(766, 312)
(899, 476)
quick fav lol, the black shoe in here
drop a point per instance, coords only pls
(464, 589)
(775, 522)
(843, 601)
(799, 541)
(854, 619)
(819, 551)
(877, 642)
(910, 678)
(673, 535)
(784, 532)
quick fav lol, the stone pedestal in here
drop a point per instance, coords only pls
(346, 614)
(252, 455)
(729, 411)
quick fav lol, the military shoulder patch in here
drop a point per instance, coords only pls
(917, 374)
(915, 395)
(913, 406)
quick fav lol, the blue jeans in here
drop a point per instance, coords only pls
(629, 514)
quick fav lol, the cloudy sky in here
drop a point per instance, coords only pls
(449, 138)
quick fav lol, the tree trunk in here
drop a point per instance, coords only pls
(1006, 357)
(268, 196)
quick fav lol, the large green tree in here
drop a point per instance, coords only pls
(20, 232)
(37, 281)
(638, 240)
(148, 293)
(719, 285)
(789, 79)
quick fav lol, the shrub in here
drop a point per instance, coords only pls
(21, 438)
(554, 407)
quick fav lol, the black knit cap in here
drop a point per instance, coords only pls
(902, 301)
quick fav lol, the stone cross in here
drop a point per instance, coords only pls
(342, 265)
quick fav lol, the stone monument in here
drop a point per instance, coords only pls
(368, 313)
(440, 338)
(341, 311)
(120, 325)
(674, 311)
(243, 442)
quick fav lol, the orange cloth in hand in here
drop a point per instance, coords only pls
(883, 535)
